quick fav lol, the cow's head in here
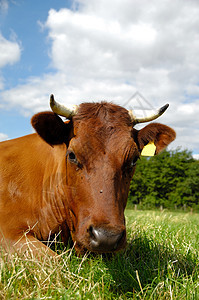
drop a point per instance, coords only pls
(102, 149)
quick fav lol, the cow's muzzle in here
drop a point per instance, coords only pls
(104, 240)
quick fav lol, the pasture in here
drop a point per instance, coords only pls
(161, 262)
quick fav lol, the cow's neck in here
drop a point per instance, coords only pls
(52, 211)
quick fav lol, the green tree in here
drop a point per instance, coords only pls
(170, 179)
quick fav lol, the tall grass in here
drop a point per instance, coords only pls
(161, 261)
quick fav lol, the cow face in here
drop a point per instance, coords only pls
(102, 150)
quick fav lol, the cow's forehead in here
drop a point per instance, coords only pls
(103, 116)
(105, 112)
(100, 128)
(94, 139)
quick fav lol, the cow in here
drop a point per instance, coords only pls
(73, 176)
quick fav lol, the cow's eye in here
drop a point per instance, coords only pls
(129, 165)
(134, 161)
(72, 157)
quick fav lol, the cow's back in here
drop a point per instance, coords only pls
(24, 164)
(18, 159)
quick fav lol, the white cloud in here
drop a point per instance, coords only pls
(9, 52)
(109, 49)
(3, 6)
(3, 137)
(196, 156)
(91, 43)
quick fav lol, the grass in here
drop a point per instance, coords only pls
(161, 262)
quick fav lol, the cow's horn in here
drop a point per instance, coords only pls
(149, 118)
(62, 110)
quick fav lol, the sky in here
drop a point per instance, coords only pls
(93, 50)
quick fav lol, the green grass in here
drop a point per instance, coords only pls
(161, 262)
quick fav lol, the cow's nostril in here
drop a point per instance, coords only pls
(91, 232)
(104, 240)
(120, 238)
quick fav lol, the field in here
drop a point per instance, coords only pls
(161, 262)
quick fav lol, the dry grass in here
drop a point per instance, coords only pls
(160, 262)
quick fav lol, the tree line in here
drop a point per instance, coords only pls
(168, 180)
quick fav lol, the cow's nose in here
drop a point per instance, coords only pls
(103, 240)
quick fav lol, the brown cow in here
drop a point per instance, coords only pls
(73, 176)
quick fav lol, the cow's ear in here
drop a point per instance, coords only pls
(161, 135)
(51, 128)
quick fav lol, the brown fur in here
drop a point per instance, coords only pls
(43, 191)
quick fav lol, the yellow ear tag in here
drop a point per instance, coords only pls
(149, 149)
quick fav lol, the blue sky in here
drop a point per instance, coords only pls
(91, 50)
(20, 21)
